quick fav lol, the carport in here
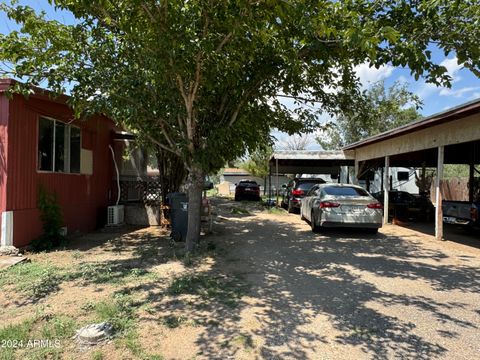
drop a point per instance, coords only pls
(309, 162)
(450, 137)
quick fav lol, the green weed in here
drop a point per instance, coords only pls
(173, 322)
(97, 355)
(275, 211)
(54, 329)
(119, 312)
(244, 340)
(33, 279)
(224, 291)
(239, 211)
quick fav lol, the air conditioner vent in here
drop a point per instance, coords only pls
(115, 215)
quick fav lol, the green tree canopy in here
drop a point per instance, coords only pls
(257, 162)
(380, 109)
(201, 78)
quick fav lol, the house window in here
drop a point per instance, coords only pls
(45, 144)
(74, 150)
(60, 153)
(403, 175)
(58, 146)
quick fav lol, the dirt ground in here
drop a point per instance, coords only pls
(269, 289)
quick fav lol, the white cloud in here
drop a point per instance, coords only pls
(452, 67)
(403, 79)
(425, 90)
(475, 96)
(459, 92)
(369, 75)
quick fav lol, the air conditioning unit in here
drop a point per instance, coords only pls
(115, 215)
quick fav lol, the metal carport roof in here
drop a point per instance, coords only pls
(450, 137)
(310, 162)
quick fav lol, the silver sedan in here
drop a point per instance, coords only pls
(341, 205)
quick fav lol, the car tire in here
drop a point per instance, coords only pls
(313, 224)
(237, 198)
(372, 231)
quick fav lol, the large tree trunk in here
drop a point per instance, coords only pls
(194, 188)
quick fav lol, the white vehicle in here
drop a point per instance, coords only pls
(341, 205)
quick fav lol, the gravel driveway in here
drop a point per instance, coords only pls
(345, 294)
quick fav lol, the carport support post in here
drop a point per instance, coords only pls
(276, 187)
(269, 184)
(357, 167)
(386, 186)
(438, 195)
(470, 182)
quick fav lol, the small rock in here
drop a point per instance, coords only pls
(8, 250)
(94, 334)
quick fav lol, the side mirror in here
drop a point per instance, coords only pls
(235, 184)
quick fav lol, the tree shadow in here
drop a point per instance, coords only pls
(296, 276)
(455, 233)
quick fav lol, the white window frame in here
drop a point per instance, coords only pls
(66, 146)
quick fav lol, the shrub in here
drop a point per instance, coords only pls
(52, 222)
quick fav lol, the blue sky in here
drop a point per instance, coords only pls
(465, 88)
(465, 85)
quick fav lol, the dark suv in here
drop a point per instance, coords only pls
(296, 190)
(247, 189)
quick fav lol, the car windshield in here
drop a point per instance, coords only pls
(344, 191)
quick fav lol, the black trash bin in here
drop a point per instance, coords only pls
(178, 215)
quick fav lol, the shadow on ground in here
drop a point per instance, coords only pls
(455, 233)
(295, 275)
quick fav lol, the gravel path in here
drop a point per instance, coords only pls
(345, 294)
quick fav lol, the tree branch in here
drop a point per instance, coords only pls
(153, 140)
(242, 101)
(224, 41)
(149, 14)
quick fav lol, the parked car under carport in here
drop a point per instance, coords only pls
(341, 205)
(405, 206)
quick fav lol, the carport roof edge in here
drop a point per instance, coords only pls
(312, 155)
(452, 114)
(310, 162)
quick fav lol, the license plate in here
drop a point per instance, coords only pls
(351, 209)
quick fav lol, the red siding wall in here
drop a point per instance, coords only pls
(83, 198)
(3, 153)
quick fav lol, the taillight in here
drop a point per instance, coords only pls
(375, 206)
(328, 204)
(297, 192)
(474, 213)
